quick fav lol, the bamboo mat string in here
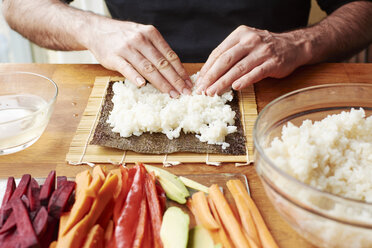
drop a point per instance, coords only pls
(210, 162)
(92, 127)
(244, 129)
(123, 158)
(169, 163)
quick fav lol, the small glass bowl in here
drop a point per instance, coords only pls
(26, 104)
(324, 219)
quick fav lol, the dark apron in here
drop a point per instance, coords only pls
(193, 28)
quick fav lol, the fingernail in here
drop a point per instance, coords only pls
(140, 81)
(236, 85)
(199, 89)
(188, 82)
(210, 92)
(186, 91)
(174, 94)
(198, 81)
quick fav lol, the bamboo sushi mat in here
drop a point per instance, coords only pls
(81, 152)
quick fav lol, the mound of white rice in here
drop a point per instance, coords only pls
(139, 110)
(334, 154)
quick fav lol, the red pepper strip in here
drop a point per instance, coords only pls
(155, 210)
(125, 177)
(161, 196)
(128, 220)
(148, 239)
(142, 223)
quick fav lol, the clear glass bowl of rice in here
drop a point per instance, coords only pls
(26, 104)
(315, 211)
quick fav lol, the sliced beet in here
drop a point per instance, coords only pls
(17, 194)
(40, 221)
(48, 188)
(33, 193)
(26, 201)
(51, 232)
(10, 187)
(58, 200)
(61, 180)
(9, 224)
(10, 240)
(24, 225)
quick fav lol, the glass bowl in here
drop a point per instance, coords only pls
(26, 104)
(324, 219)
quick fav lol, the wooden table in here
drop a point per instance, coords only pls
(75, 83)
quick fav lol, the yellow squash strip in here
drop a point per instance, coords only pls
(94, 238)
(227, 217)
(244, 213)
(224, 239)
(201, 208)
(266, 238)
(76, 235)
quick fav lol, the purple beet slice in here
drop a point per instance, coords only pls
(61, 180)
(48, 188)
(9, 224)
(33, 194)
(58, 200)
(24, 225)
(51, 232)
(40, 221)
(10, 187)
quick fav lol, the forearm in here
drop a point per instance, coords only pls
(340, 35)
(49, 23)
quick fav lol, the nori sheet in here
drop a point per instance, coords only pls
(158, 143)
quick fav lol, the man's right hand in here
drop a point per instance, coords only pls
(138, 52)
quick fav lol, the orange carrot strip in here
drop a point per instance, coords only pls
(244, 213)
(227, 217)
(225, 241)
(203, 212)
(266, 238)
(94, 238)
(109, 232)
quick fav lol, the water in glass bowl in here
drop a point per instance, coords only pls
(19, 127)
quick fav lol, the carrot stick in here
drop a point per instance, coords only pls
(266, 238)
(202, 211)
(226, 242)
(227, 217)
(244, 213)
(108, 233)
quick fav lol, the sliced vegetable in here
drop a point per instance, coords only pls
(24, 226)
(127, 178)
(128, 220)
(142, 223)
(174, 230)
(48, 188)
(33, 193)
(58, 200)
(244, 212)
(40, 222)
(95, 238)
(201, 210)
(228, 219)
(10, 187)
(61, 180)
(172, 185)
(199, 238)
(154, 208)
(266, 238)
(193, 184)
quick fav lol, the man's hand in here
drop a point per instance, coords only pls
(138, 52)
(249, 55)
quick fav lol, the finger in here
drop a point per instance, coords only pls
(127, 70)
(158, 41)
(257, 74)
(149, 71)
(165, 68)
(244, 66)
(226, 44)
(221, 66)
